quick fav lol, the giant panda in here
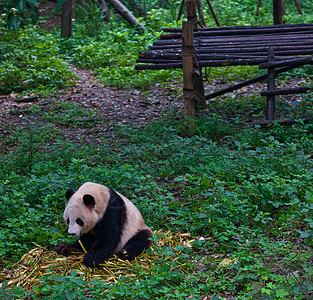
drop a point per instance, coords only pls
(105, 222)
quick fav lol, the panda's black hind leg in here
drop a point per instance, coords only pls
(136, 245)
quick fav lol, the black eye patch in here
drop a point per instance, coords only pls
(80, 222)
(68, 220)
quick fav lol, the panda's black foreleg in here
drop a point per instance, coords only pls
(97, 254)
(68, 249)
(136, 245)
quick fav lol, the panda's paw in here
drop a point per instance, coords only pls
(64, 249)
(123, 254)
(89, 260)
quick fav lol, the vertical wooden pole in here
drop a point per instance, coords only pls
(192, 12)
(66, 19)
(188, 54)
(270, 105)
(278, 12)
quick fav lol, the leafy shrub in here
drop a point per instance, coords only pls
(29, 61)
(21, 12)
(112, 54)
(249, 195)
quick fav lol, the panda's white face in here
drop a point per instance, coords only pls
(85, 207)
(79, 219)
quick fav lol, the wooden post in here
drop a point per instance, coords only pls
(188, 54)
(278, 11)
(198, 89)
(66, 19)
(270, 105)
(192, 12)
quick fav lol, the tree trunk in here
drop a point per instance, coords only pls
(125, 13)
(66, 19)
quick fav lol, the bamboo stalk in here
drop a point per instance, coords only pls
(166, 29)
(224, 45)
(248, 49)
(282, 122)
(241, 38)
(298, 7)
(295, 62)
(278, 11)
(243, 31)
(245, 83)
(180, 10)
(213, 13)
(156, 60)
(298, 90)
(200, 13)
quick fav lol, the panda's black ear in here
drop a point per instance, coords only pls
(89, 200)
(69, 193)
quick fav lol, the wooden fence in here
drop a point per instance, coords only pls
(277, 48)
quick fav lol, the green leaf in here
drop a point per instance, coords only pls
(59, 4)
(266, 291)
(202, 216)
(20, 5)
(304, 234)
(281, 293)
(32, 2)
(13, 22)
(73, 273)
(70, 295)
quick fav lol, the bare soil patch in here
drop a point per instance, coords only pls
(132, 107)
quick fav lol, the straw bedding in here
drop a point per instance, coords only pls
(38, 261)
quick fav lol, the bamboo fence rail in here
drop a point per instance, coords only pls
(286, 46)
(230, 46)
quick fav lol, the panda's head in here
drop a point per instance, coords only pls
(84, 208)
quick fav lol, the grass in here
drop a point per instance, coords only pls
(247, 191)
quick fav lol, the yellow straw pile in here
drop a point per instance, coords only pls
(38, 261)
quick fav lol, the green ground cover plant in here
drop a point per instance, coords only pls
(248, 191)
(29, 62)
(244, 193)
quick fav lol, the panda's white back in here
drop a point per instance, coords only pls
(134, 222)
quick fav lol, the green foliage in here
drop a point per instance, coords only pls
(249, 192)
(112, 54)
(68, 114)
(90, 18)
(20, 12)
(29, 61)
